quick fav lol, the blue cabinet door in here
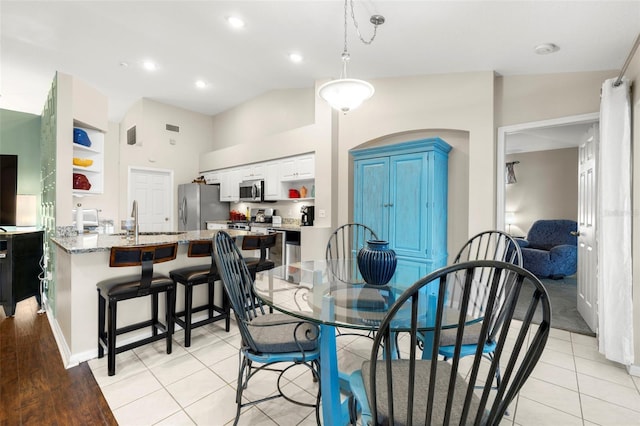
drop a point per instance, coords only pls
(371, 195)
(407, 198)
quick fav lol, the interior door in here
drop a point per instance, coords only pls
(153, 190)
(587, 225)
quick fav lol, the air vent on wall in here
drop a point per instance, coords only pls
(172, 128)
(131, 135)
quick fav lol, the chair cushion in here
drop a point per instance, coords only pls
(198, 274)
(400, 372)
(123, 287)
(280, 338)
(470, 336)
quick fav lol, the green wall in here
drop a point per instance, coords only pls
(20, 135)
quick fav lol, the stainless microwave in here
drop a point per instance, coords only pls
(252, 191)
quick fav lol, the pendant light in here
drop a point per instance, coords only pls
(345, 94)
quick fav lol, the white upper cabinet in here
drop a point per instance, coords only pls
(298, 168)
(212, 177)
(280, 176)
(253, 171)
(272, 186)
(229, 184)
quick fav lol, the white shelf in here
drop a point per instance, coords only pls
(95, 152)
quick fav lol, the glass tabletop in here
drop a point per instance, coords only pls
(334, 293)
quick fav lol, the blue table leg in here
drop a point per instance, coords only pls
(333, 411)
(329, 385)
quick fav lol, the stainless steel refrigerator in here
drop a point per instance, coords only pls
(198, 203)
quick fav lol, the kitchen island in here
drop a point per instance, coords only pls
(82, 261)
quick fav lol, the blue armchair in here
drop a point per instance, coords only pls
(549, 249)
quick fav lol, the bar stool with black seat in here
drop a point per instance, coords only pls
(191, 276)
(114, 290)
(258, 264)
(262, 243)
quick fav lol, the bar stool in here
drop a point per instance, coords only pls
(258, 264)
(118, 289)
(195, 275)
(262, 243)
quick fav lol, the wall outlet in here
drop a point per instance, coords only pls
(322, 213)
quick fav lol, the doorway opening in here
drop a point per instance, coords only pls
(548, 153)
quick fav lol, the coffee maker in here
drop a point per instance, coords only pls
(307, 215)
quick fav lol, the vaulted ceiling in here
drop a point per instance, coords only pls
(104, 43)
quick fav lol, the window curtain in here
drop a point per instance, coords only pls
(615, 313)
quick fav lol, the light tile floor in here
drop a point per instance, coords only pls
(572, 384)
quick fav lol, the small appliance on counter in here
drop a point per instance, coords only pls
(307, 215)
(262, 215)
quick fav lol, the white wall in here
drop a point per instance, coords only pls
(546, 188)
(154, 149)
(404, 107)
(253, 147)
(272, 113)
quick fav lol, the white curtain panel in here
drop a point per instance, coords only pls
(615, 315)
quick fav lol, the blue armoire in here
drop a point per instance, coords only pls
(400, 191)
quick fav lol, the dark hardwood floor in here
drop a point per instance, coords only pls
(35, 388)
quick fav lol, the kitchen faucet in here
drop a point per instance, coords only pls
(136, 229)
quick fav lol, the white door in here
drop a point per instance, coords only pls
(587, 250)
(153, 190)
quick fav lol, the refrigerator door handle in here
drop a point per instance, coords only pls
(183, 211)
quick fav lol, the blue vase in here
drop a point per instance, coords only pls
(377, 262)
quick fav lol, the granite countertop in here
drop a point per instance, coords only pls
(89, 243)
(283, 226)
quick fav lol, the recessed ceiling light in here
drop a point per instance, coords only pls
(201, 84)
(150, 65)
(296, 58)
(235, 22)
(546, 48)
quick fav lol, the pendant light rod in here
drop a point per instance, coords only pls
(347, 93)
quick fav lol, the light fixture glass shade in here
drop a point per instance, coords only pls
(346, 94)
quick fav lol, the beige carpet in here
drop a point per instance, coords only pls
(564, 311)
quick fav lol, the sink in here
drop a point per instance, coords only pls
(156, 233)
(164, 233)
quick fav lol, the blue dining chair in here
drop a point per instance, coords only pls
(267, 338)
(427, 390)
(487, 245)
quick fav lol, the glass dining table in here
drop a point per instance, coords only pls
(332, 294)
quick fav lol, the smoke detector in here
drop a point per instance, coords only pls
(546, 48)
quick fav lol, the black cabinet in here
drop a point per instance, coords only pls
(20, 254)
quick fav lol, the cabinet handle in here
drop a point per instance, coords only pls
(390, 204)
(385, 205)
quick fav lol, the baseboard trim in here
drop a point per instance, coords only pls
(634, 370)
(63, 348)
(70, 360)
